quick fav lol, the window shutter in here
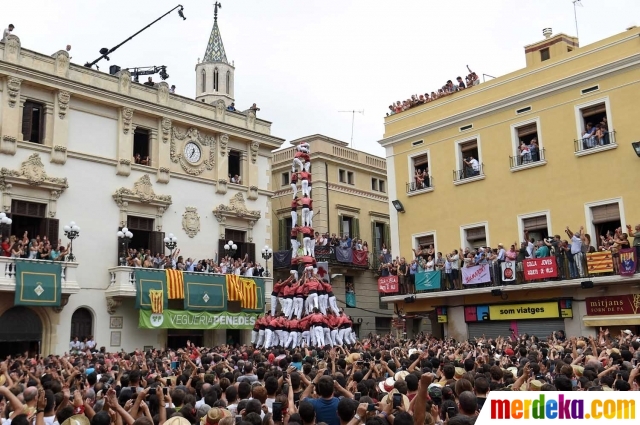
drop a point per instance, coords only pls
(282, 237)
(535, 223)
(156, 243)
(593, 110)
(340, 231)
(527, 130)
(356, 227)
(387, 241)
(250, 248)
(52, 230)
(372, 242)
(605, 213)
(27, 117)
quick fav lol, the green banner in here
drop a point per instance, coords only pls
(428, 280)
(147, 279)
(350, 299)
(38, 282)
(176, 319)
(205, 292)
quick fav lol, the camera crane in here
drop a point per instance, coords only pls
(148, 70)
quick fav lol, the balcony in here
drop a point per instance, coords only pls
(468, 175)
(325, 253)
(529, 160)
(591, 145)
(8, 278)
(413, 188)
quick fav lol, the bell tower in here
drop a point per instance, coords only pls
(214, 75)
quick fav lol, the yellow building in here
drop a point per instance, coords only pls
(572, 180)
(349, 192)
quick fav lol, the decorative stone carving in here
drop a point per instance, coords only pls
(124, 83)
(13, 88)
(224, 143)
(255, 146)
(191, 221)
(127, 116)
(253, 193)
(59, 154)
(62, 63)
(251, 119)
(166, 129)
(112, 304)
(221, 107)
(8, 145)
(192, 135)
(236, 208)
(63, 103)
(12, 49)
(142, 192)
(163, 175)
(32, 171)
(163, 93)
(64, 300)
(124, 167)
(221, 187)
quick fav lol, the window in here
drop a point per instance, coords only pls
(383, 324)
(383, 186)
(527, 149)
(228, 82)
(605, 218)
(141, 146)
(425, 241)
(523, 110)
(234, 167)
(474, 235)
(349, 291)
(380, 235)
(537, 225)
(284, 235)
(238, 237)
(144, 236)
(349, 226)
(342, 176)
(595, 129)
(374, 184)
(350, 177)
(204, 81)
(33, 122)
(285, 179)
(466, 127)
(215, 79)
(469, 159)
(544, 54)
(81, 324)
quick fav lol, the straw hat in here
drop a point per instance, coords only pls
(535, 385)
(581, 344)
(80, 420)
(387, 385)
(401, 375)
(459, 372)
(389, 399)
(513, 370)
(578, 370)
(213, 416)
(353, 357)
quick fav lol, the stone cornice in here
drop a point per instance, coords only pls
(358, 192)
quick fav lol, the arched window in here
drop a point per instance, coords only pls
(228, 81)
(204, 81)
(81, 324)
(215, 79)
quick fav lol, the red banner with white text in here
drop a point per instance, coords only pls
(540, 268)
(388, 284)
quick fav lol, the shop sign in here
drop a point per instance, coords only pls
(524, 311)
(620, 304)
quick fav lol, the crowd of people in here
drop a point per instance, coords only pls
(38, 248)
(449, 88)
(570, 257)
(379, 380)
(597, 135)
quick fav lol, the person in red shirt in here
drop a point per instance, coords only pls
(294, 333)
(256, 331)
(305, 202)
(312, 285)
(299, 158)
(317, 322)
(289, 292)
(305, 183)
(298, 301)
(294, 211)
(294, 184)
(5, 250)
(274, 295)
(283, 330)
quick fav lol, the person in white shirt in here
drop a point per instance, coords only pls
(529, 242)
(7, 32)
(74, 345)
(473, 163)
(90, 344)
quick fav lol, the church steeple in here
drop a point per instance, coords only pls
(215, 48)
(214, 75)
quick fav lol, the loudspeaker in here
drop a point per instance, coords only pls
(410, 299)
(114, 69)
(496, 292)
(587, 284)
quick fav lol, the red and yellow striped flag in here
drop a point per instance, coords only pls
(157, 300)
(234, 292)
(175, 285)
(600, 262)
(249, 294)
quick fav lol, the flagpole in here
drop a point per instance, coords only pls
(575, 16)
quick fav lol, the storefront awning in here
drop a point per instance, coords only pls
(621, 319)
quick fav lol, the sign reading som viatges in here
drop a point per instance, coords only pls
(548, 310)
(178, 319)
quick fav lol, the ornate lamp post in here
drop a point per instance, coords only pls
(267, 253)
(230, 248)
(5, 222)
(125, 237)
(171, 242)
(71, 231)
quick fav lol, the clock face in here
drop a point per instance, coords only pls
(192, 152)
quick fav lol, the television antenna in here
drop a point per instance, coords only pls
(575, 14)
(353, 117)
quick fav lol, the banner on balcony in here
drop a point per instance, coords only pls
(176, 319)
(508, 270)
(344, 255)
(282, 259)
(323, 270)
(204, 292)
(148, 280)
(360, 258)
(388, 284)
(599, 262)
(628, 262)
(475, 275)
(38, 283)
(540, 268)
(350, 299)
(428, 280)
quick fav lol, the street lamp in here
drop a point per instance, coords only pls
(125, 236)
(230, 248)
(171, 242)
(71, 231)
(5, 223)
(267, 253)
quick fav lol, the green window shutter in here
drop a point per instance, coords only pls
(356, 228)
(340, 232)
(387, 236)
(372, 241)
(282, 238)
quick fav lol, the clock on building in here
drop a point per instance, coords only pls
(192, 152)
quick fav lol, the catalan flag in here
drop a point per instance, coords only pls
(249, 294)
(175, 285)
(600, 262)
(234, 292)
(157, 302)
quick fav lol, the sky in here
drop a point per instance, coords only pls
(303, 61)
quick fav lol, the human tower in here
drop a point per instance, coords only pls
(309, 315)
